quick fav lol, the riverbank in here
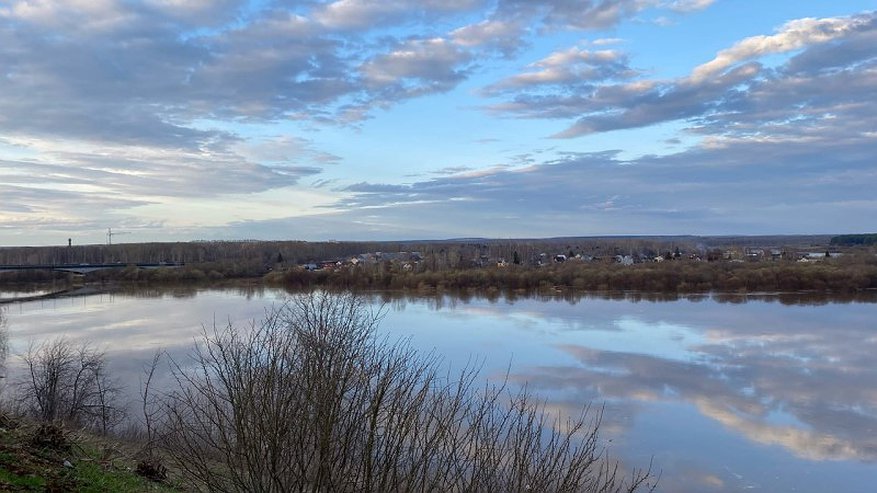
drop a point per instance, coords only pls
(35, 457)
(257, 287)
(653, 264)
(831, 275)
(836, 279)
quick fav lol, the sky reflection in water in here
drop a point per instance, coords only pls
(726, 396)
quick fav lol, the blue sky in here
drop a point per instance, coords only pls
(402, 119)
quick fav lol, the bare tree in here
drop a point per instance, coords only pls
(150, 405)
(4, 349)
(150, 462)
(69, 383)
(311, 400)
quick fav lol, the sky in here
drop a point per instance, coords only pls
(179, 120)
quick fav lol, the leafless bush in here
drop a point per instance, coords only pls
(4, 341)
(152, 468)
(51, 436)
(69, 383)
(150, 462)
(310, 400)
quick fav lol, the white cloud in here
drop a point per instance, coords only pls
(606, 41)
(283, 149)
(793, 35)
(579, 14)
(504, 35)
(573, 67)
(734, 94)
(198, 12)
(688, 5)
(359, 14)
(84, 16)
(82, 186)
(416, 67)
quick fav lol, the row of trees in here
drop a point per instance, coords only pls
(263, 252)
(855, 240)
(440, 254)
(3, 349)
(849, 274)
(311, 400)
(459, 264)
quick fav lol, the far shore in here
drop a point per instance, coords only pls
(177, 288)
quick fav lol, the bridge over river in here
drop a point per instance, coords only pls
(86, 268)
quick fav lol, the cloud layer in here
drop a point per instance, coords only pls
(110, 106)
(732, 93)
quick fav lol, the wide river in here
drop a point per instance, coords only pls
(721, 394)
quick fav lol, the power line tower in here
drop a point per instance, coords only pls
(111, 233)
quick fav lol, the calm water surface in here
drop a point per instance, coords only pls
(723, 396)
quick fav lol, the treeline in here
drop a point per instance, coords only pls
(189, 273)
(204, 261)
(855, 240)
(440, 253)
(849, 274)
(264, 252)
(216, 260)
(458, 264)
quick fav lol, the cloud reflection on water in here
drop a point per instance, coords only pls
(738, 383)
(800, 378)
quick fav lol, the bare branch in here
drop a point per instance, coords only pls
(311, 400)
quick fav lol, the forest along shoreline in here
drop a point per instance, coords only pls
(676, 265)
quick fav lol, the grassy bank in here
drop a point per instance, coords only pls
(36, 457)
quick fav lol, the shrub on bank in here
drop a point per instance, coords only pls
(670, 276)
(311, 400)
(67, 383)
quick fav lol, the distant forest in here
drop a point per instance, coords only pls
(236, 259)
(676, 264)
(852, 273)
(454, 252)
(855, 240)
(458, 253)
